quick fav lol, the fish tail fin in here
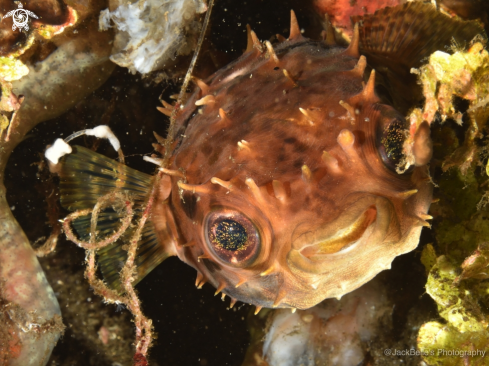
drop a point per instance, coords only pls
(85, 176)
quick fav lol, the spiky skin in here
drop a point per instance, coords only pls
(327, 223)
(282, 187)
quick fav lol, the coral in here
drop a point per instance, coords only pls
(340, 11)
(335, 332)
(465, 74)
(150, 32)
(456, 304)
(428, 257)
(456, 279)
(476, 265)
(41, 66)
(11, 69)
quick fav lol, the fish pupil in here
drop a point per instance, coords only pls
(393, 140)
(230, 235)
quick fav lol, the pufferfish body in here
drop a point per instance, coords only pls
(284, 186)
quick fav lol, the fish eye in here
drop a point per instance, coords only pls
(391, 142)
(232, 237)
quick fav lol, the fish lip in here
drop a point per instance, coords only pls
(364, 229)
(346, 237)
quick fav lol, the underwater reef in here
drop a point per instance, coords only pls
(59, 77)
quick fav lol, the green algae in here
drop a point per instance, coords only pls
(12, 69)
(457, 280)
(443, 345)
(466, 328)
(428, 257)
(458, 305)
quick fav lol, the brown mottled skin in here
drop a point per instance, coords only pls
(297, 222)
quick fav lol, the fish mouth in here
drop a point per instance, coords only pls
(363, 223)
(343, 238)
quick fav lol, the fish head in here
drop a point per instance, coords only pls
(297, 198)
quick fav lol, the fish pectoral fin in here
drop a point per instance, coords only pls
(150, 253)
(153, 247)
(85, 176)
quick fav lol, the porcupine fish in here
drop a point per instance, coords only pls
(282, 188)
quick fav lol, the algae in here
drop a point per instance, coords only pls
(445, 346)
(464, 336)
(456, 89)
(12, 69)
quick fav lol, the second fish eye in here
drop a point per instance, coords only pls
(391, 143)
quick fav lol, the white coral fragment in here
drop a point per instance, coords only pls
(330, 333)
(151, 32)
(61, 147)
(104, 132)
(57, 150)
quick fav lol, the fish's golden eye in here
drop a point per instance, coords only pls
(229, 235)
(391, 143)
(232, 237)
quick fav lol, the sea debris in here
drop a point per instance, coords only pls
(151, 32)
(334, 332)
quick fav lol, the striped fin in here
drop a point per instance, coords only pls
(400, 38)
(150, 254)
(85, 176)
(408, 33)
